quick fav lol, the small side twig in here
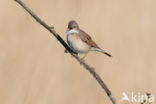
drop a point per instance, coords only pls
(85, 65)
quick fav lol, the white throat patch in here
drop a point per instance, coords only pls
(72, 31)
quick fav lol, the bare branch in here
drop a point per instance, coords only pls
(84, 64)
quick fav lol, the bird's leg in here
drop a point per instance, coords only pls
(82, 59)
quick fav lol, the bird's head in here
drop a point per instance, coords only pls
(73, 25)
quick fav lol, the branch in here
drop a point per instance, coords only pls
(57, 36)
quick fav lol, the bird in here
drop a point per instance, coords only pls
(80, 42)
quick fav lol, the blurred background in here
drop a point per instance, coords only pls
(35, 70)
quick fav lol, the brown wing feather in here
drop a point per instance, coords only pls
(87, 39)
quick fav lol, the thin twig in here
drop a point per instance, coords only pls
(85, 65)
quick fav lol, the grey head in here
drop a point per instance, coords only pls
(73, 25)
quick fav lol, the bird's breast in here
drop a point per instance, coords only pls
(77, 44)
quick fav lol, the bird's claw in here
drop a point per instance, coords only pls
(65, 51)
(51, 27)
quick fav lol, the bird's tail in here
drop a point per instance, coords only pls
(102, 51)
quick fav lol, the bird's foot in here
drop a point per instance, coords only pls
(51, 27)
(65, 51)
(82, 60)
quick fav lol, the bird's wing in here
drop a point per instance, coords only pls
(87, 39)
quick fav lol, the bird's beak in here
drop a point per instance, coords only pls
(69, 28)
